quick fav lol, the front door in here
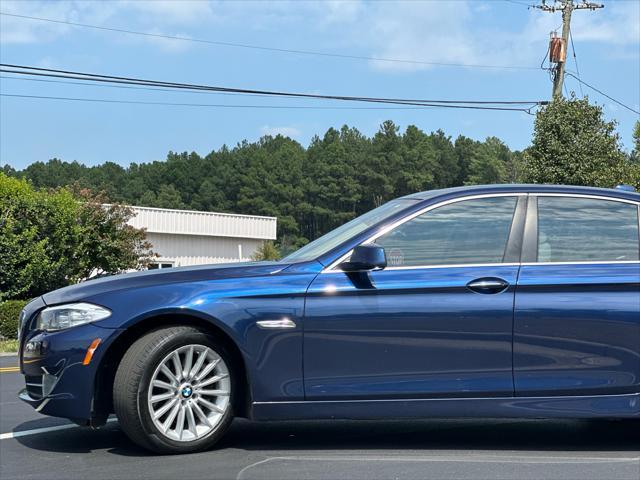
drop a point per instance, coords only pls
(577, 318)
(437, 322)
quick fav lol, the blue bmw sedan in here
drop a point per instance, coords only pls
(487, 301)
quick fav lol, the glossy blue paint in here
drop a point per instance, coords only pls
(596, 406)
(61, 357)
(234, 305)
(561, 340)
(412, 333)
(577, 329)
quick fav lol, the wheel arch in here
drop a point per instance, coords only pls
(102, 395)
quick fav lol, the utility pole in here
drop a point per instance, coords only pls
(558, 46)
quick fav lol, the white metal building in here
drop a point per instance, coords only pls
(187, 237)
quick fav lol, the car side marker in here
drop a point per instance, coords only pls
(273, 324)
(90, 351)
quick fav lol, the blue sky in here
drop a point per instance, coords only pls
(494, 32)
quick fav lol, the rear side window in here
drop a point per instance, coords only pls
(465, 232)
(587, 230)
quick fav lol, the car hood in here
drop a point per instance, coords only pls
(150, 278)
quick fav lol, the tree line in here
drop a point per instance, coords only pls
(311, 190)
(344, 173)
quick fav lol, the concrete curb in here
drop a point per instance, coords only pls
(9, 354)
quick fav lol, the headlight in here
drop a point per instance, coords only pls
(70, 315)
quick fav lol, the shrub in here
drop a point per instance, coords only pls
(9, 317)
(266, 251)
(573, 144)
(51, 239)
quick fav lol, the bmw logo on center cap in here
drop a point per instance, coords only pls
(187, 391)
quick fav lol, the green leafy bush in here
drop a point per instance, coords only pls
(53, 238)
(9, 317)
(573, 144)
(266, 251)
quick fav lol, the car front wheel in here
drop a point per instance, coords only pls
(173, 390)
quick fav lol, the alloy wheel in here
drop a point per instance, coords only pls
(189, 393)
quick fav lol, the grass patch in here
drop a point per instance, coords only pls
(8, 346)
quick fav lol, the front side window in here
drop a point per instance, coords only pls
(587, 230)
(467, 232)
(327, 242)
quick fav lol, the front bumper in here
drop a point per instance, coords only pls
(57, 381)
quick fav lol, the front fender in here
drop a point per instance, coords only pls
(272, 357)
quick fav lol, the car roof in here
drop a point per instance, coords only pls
(524, 188)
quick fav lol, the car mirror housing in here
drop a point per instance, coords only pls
(365, 258)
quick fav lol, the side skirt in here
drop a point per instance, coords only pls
(601, 406)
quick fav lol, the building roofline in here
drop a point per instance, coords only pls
(198, 212)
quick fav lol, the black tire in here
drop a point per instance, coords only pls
(133, 379)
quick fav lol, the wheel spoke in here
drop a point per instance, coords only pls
(201, 414)
(165, 408)
(172, 416)
(199, 362)
(191, 421)
(170, 375)
(207, 370)
(188, 363)
(162, 396)
(209, 405)
(177, 364)
(214, 393)
(212, 380)
(180, 421)
(161, 384)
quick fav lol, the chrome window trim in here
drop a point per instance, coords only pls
(433, 267)
(332, 266)
(584, 195)
(600, 262)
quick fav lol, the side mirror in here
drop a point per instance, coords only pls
(365, 258)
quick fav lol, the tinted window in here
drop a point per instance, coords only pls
(471, 231)
(322, 245)
(583, 229)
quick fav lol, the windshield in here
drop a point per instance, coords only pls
(343, 233)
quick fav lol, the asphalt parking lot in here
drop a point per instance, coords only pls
(39, 447)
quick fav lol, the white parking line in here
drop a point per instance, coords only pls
(508, 459)
(36, 431)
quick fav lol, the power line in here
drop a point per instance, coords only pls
(515, 2)
(68, 74)
(222, 105)
(270, 49)
(602, 93)
(575, 60)
(151, 89)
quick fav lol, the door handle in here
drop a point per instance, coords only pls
(489, 285)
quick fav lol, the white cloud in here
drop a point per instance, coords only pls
(19, 30)
(337, 12)
(461, 31)
(618, 23)
(430, 31)
(167, 44)
(182, 12)
(47, 62)
(157, 17)
(284, 131)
